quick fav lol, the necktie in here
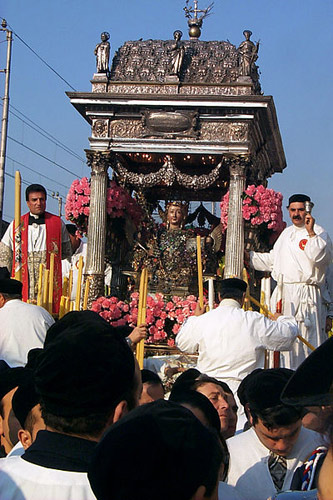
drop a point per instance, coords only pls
(33, 220)
(277, 467)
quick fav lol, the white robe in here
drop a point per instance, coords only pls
(22, 480)
(22, 327)
(303, 269)
(232, 342)
(249, 471)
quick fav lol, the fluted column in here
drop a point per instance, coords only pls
(99, 162)
(234, 251)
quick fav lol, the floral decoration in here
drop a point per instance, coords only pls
(260, 206)
(164, 316)
(119, 203)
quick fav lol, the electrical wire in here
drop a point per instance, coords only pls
(40, 58)
(36, 172)
(42, 156)
(28, 184)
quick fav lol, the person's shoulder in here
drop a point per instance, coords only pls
(239, 440)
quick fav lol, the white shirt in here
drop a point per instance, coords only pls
(232, 342)
(22, 327)
(249, 471)
(72, 263)
(22, 480)
(36, 236)
(297, 265)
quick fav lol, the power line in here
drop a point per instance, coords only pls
(41, 59)
(28, 183)
(44, 133)
(42, 156)
(36, 172)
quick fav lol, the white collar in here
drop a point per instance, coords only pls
(230, 303)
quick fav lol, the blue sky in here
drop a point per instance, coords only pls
(295, 61)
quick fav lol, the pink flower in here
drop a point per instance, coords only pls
(175, 328)
(171, 342)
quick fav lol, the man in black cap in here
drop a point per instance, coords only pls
(22, 326)
(158, 451)
(87, 379)
(264, 458)
(299, 261)
(231, 341)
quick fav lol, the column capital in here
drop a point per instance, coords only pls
(238, 164)
(98, 161)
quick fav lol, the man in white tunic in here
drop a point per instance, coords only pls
(87, 379)
(42, 233)
(232, 342)
(264, 458)
(22, 326)
(301, 255)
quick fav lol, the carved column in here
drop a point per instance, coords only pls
(234, 251)
(99, 162)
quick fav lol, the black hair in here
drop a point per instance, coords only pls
(150, 377)
(35, 188)
(278, 416)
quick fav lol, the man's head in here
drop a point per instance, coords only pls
(296, 208)
(86, 378)
(232, 288)
(152, 387)
(277, 425)
(163, 440)
(27, 410)
(10, 379)
(9, 288)
(35, 196)
(211, 388)
(75, 240)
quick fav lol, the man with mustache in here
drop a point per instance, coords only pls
(302, 255)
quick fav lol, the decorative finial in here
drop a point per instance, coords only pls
(195, 21)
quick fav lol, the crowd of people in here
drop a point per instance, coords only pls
(80, 421)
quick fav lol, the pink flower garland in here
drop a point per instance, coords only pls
(163, 318)
(260, 206)
(118, 203)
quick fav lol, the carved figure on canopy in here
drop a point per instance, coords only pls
(248, 54)
(102, 53)
(178, 52)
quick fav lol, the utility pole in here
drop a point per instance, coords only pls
(4, 123)
(57, 197)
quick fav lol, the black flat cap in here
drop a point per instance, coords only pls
(265, 387)
(232, 284)
(312, 383)
(86, 368)
(10, 378)
(300, 198)
(159, 450)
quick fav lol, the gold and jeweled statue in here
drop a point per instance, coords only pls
(170, 252)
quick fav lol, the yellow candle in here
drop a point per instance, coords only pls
(70, 283)
(79, 284)
(65, 286)
(86, 295)
(67, 305)
(142, 313)
(62, 306)
(17, 231)
(40, 284)
(46, 288)
(199, 263)
(51, 284)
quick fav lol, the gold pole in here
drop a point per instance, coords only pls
(247, 302)
(79, 284)
(51, 282)
(270, 315)
(67, 305)
(86, 294)
(40, 285)
(199, 264)
(46, 288)
(142, 313)
(17, 231)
